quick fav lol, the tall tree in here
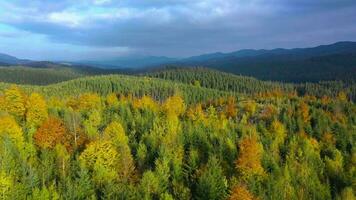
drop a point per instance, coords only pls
(212, 184)
(36, 110)
(249, 160)
(15, 101)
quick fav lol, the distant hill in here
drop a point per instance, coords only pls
(288, 54)
(44, 73)
(326, 62)
(322, 63)
(130, 62)
(10, 60)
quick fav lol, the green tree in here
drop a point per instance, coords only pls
(212, 184)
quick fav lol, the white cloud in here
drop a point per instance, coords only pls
(176, 26)
(101, 2)
(66, 19)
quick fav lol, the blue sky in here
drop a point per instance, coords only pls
(103, 29)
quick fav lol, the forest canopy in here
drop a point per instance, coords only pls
(115, 142)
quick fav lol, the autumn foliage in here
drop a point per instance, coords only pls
(138, 146)
(249, 160)
(10, 128)
(51, 133)
(37, 110)
(240, 192)
(174, 105)
(15, 101)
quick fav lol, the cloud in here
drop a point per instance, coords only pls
(182, 27)
(101, 2)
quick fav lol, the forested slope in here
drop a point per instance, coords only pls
(45, 73)
(124, 84)
(90, 139)
(214, 79)
(37, 76)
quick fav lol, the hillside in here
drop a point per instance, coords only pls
(101, 138)
(44, 73)
(36, 76)
(199, 78)
(123, 84)
(208, 78)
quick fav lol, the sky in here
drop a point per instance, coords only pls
(104, 29)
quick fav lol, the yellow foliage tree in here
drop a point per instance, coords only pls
(10, 128)
(116, 133)
(174, 105)
(15, 101)
(146, 102)
(36, 110)
(85, 102)
(112, 100)
(342, 96)
(250, 107)
(5, 185)
(196, 113)
(2, 103)
(249, 160)
(101, 157)
(278, 136)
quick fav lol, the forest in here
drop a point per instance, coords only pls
(177, 134)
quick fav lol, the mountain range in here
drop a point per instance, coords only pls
(326, 62)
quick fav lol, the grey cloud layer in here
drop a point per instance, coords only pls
(173, 27)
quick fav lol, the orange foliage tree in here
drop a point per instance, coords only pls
(51, 133)
(230, 110)
(268, 112)
(249, 161)
(304, 111)
(196, 113)
(240, 192)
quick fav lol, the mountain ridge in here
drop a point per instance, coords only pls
(336, 61)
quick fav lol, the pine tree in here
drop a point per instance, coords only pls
(212, 184)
